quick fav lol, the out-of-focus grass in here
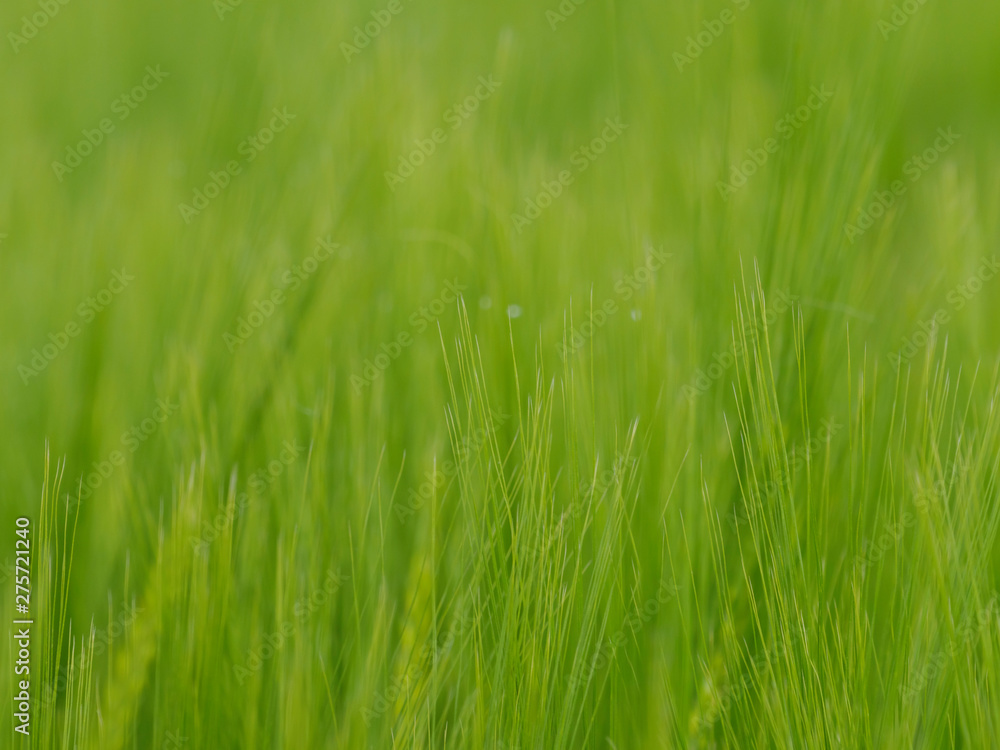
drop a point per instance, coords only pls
(490, 543)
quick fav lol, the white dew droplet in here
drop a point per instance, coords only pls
(514, 311)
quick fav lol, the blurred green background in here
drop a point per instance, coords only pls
(476, 543)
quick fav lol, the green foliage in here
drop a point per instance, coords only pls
(583, 375)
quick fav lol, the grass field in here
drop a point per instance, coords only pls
(581, 374)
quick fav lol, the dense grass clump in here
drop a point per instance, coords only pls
(436, 375)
